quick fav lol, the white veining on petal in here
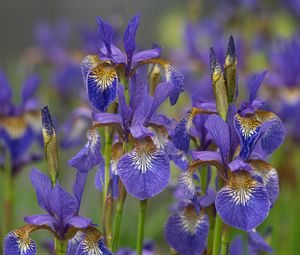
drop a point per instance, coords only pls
(91, 248)
(24, 243)
(186, 183)
(104, 77)
(93, 138)
(190, 220)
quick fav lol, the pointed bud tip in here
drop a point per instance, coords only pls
(47, 123)
(231, 48)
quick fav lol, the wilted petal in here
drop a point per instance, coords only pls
(129, 36)
(269, 177)
(219, 131)
(90, 154)
(145, 171)
(243, 202)
(43, 188)
(18, 242)
(248, 129)
(186, 231)
(101, 86)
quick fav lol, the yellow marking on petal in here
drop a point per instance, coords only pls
(14, 126)
(190, 220)
(248, 125)
(240, 185)
(265, 170)
(104, 75)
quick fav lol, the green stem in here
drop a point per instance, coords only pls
(141, 226)
(108, 147)
(118, 217)
(217, 235)
(225, 240)
(8, 196)
(107, 220)
(204, 174)
(60, 247)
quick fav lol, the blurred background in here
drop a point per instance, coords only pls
(49, 38)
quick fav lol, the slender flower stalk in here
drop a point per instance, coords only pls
(60, 247)
(108, 147)
(8, 195)
(141, 226)
(118, 216)
(225, 240)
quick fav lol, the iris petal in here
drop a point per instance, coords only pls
(269, 177)
(18, 242)
(102, 86)
(90, 154)
(145, 171)
(248, 129)
(186, 231)
(243, 203)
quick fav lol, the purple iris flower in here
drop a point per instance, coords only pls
(145, 171)
(102, 72)
(186, 230)
(19, 125)
(251, 184)
(62, 219)
(148, 249)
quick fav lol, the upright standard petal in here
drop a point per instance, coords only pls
(243, 202)
(90, 155)
(43, 188)
(129, 36)
(253, 83)
(106, 33)
(102, 86)
(219, 131)
(145, 171)
(78, 186)
(186, 231)
(248, 129)
(63, 205)
(18, 242)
